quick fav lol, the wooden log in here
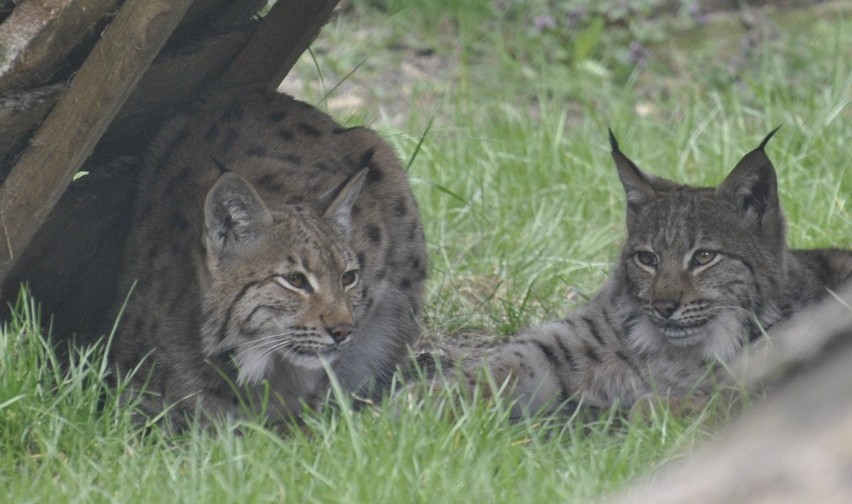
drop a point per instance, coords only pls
(204, 44)
(217, 15)
(77, 122)
(73, 261)
(796, 445)
(36, 39)
(284, 34)
(171, 81)
(20, 113)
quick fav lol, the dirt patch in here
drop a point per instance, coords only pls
(408, 78)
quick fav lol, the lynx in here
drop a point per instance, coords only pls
(703, 272)
(269, 244)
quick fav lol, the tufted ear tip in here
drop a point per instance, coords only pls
(639, 188)
(753, 187)
(768, 137)
(612, 141)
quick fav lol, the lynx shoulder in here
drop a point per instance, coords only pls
(268, 243)
(703, 272)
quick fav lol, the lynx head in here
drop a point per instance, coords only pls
(702, 264)
(278, 285)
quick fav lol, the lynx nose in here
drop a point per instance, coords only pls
(340, 332)
(666, 308)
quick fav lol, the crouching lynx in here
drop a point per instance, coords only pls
(268, 242)
(703, 271)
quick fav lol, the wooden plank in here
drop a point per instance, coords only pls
(77, 122)
(38, 36)
(171, 81)
(168, 83)
(285, 33)
(205, 43)
(20, 114)
(217, 15)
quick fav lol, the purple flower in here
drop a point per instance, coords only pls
(542, 23)
(636, 53)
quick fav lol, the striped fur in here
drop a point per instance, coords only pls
(268, 241)
(703, 271)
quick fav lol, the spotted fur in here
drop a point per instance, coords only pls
(268, 243)
(703, 271)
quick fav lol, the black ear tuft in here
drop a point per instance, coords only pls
(752, 187)
(637, 184)
(612, 141)
(768, 137)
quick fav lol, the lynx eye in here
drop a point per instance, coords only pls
(349, 278)
(295, 281)
(646, 258)
(703, 257)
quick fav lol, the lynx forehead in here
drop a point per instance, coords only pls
(269, 245)
(702, 271)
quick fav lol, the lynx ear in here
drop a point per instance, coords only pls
(234, 214)
(339, 210)
(753, 187)
(638, 186)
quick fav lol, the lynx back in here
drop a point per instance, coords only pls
(269, 244)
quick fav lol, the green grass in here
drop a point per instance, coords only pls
(514, 177)
(505, 132)
(64, 439)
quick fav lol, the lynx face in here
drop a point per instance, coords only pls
(699, 261)
(285, 285)
(694, 282)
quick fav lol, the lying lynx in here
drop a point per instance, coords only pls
(268, 243)
(703, 272)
